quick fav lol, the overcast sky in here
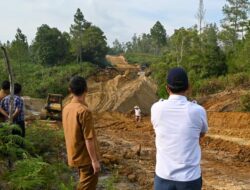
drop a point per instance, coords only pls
(117, 18)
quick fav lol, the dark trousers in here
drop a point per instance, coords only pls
(21, 124)
(164, 184)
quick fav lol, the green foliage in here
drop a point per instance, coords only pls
(159, 36)
(159, 72)
(46, 171)
(240, 61)
(50, 46)
(38, 80)
(19, 47)
(48, 142)
(109, 183)
(239, 80)
(217, 84)
(34, 173)
(245, 103)
(88, 42)
(152, 43)
(94, 45)
(141, 58)
(11, 145)
(208, 86)
(28, 174)
(234, 23)
(184, 49)
(77, 30)
(213, 59)
(117, 48)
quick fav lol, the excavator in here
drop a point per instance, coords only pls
(53, 107)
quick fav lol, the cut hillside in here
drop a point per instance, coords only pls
(120, 62)
(226, 101)
(120, 89)
(121, 94)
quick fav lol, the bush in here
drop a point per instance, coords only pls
(245, 103)
(34, 173)
(38, 162)
(48, 141)
(205, 87)
(215, 85)
(239, 79)
(11, 145)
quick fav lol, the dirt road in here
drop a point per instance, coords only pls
(130, 147)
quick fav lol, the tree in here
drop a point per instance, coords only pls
(50, 46)
(213, 59)
(235, 22)
(77, 30)
(241, 61)
(184, 48)
(118, 47)
(159, 36)
(94, 45)
(20, 49)
(200, 15)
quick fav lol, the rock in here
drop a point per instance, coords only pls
(137, 149)
(132, 177)
(113, 159)
(129, 155)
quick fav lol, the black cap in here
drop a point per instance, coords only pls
(177, 79)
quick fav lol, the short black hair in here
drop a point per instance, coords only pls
(78, 85)
(6, 85)
(17, 88)
(177, 90)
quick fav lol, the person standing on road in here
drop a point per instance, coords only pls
(178, 125)
(80, 137)
(137, 114)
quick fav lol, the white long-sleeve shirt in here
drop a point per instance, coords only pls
(178, 124)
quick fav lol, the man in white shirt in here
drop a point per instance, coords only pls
(179, 125)
(137, 114)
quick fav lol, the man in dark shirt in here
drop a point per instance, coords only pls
(5, 91)
(18, 114)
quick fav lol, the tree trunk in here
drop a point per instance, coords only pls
(9, 69)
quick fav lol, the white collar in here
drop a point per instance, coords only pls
(177, 97)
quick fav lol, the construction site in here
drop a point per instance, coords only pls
(128, 148)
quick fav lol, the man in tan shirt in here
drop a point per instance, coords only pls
(80, 137)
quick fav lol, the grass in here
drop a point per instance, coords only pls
(110, 182)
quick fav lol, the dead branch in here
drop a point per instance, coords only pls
(10, 73)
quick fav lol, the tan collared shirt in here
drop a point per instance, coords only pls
(3, 94)
(78, 127)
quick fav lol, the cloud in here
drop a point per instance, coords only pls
(117, 18)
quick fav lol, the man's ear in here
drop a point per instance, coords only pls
(189, 91)
(167, 89)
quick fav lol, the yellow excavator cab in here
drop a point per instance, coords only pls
(53, 107)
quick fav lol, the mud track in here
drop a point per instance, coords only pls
(130, 147)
